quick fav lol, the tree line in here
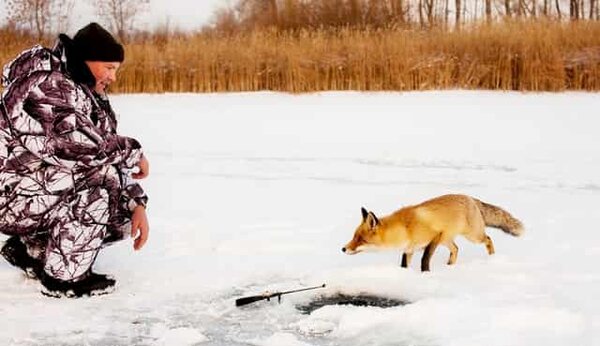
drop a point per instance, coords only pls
(43, 18)
(294, 14)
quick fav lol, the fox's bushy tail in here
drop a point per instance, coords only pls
(499, 218)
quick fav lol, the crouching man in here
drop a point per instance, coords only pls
(66, 181)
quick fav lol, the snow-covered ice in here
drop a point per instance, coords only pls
(259, 191)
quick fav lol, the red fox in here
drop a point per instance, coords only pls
(433, 222)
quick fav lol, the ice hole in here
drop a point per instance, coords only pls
(347, 299)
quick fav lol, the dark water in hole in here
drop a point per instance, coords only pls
(345, 299)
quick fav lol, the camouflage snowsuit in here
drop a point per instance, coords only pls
(65, 186)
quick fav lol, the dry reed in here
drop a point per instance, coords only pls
(532, 56)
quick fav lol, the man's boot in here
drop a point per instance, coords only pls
(91, 285)
(15, 252)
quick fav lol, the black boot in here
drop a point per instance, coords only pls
(15, 253)
(91, 285)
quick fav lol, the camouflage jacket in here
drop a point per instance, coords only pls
(56, 134)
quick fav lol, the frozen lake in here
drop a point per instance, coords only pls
(259, 191)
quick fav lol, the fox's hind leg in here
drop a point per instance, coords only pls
(453, 252)
(406, 257)
(489, 245)
(481, 237)
(429, 250)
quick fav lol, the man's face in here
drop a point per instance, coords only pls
(104, 72)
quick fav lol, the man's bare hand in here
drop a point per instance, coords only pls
(144, 167)
(139, 221)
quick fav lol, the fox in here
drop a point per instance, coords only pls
(431, 223)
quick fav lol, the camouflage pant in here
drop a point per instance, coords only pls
(75, 237)
(70, 234)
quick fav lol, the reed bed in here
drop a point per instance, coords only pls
(525, 56)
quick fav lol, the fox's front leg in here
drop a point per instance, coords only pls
(406, 257)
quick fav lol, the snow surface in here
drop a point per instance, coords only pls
(259, 191)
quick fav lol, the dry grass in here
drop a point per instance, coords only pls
(534, 56)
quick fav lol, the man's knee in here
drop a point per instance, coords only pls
(91, 206)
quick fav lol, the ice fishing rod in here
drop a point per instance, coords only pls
(267, 296)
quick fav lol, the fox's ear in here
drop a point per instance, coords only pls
(364, 213)
(372, 220)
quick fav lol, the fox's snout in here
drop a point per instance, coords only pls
(348, 251)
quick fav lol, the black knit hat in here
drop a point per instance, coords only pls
(94, 43)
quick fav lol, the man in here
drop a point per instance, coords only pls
(66, 187)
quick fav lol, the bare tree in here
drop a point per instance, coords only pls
(574, 9)
(257, 13)
(41, 17)
(520, 7)
(558, 11)
(61, 15)
(457, 17)
(355, 12)
(507, 8)
(274, 11)
(30, 14)
(291, 16)
(120, 14)
(488, 11)
(225, 20)
(429, 11)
